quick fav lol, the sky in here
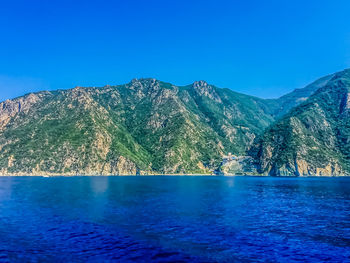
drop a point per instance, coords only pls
(262, 48)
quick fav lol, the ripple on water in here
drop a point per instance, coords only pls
(167, 219)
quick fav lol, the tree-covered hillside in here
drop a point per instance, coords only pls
(145, 126)
(313, 138)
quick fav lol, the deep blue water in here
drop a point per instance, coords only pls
(166, 219)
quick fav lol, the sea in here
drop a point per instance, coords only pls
(174, 219)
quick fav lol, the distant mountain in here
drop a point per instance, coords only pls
(294, 98)
(145, 126)
(314, 137)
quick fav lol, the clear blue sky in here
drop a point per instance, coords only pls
(264, 48)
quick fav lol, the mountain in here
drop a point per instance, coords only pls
(283, 104)
(145, 126)
(314, 137)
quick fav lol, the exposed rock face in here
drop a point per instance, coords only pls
(145, 126)
(302, 168)
(152, 127)
(121, 166)
(10, 108)
(204, 89)
(345, 104)
(124, 167)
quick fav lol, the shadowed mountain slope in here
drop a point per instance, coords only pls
(313, 138)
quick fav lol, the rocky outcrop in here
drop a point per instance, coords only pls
(10, 108)
(204, 89)
(345, 104)
(121, 166)
(303, 168)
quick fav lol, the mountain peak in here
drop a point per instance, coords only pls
(204, 89)
(200, 83)
(143, 83)
(144, 80)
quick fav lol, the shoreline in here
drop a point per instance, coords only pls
(168, 175)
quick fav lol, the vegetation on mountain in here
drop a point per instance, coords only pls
(152, 127)
(313, 138)
(145, 126)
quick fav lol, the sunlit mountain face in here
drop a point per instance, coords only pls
(152, 127)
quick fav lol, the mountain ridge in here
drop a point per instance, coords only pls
(143, 127)
(313, 138)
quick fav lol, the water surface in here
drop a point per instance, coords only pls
(166, 219)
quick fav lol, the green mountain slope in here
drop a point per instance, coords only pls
(149, 126)
(313, 138)
(145, 126)
(283, 104)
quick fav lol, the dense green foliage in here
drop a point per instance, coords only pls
(145, 126)
(313, 138)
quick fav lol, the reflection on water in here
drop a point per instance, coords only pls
(170, 219)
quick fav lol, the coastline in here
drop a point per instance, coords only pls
(167, 175)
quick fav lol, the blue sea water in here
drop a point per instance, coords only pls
(174, 219)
